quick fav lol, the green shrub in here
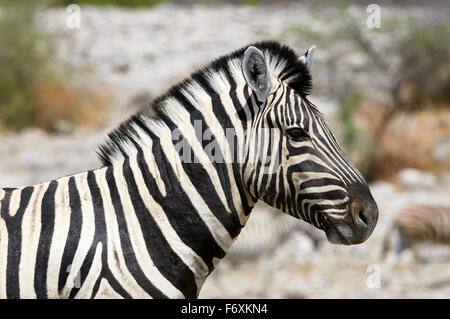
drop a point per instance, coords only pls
(350, 133)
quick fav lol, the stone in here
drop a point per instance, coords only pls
(414, 179)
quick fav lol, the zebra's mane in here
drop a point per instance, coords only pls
(284, 64)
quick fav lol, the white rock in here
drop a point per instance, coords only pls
(441, 150)
(414, 179)
(445, 179)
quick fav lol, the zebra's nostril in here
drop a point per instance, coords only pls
(363, 217)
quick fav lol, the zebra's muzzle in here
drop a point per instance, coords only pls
(358, 223)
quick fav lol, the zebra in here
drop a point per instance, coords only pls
(416, 224)
(174, 191)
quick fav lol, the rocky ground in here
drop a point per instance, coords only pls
(139, 53)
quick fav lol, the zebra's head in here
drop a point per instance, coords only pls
(301, 169)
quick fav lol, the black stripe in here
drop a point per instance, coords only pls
(45, 240)
(276, 105)
(14, 227)
(100, 236)
(73, 237)
(281, 196)
(331, 195)
(287, 108)
(305, 116)
(323, 181)
(5, 203)
(248, 100)
(273, 154)
(308, 166)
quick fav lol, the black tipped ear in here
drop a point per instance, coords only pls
(256, 72)
(307, 58)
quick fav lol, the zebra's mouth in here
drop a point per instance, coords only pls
(333, 234)
(345, 231)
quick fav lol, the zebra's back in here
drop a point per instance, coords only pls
(424, 222)
(46, 233)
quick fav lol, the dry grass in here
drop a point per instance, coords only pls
(53, 106)
(37, 88)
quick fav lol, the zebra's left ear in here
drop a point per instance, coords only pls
(257, 72)
(307, 58)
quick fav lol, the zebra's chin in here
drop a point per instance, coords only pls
(345, 232)
(334, 236)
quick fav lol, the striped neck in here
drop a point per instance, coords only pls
(191, 170)
(189, 206)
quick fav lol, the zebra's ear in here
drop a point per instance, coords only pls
(256, 72)
(307, 58)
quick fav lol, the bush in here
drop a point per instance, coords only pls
(34, 89)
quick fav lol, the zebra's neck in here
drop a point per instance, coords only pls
(190, 166)
(197, 207)
(200, 126)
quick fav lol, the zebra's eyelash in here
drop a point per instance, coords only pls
(298, 134)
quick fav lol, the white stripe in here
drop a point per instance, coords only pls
(60, 233)
(31, 230)
(330, 202)
(322, 189)
(308, 176)
(14, 202)
(3, 255)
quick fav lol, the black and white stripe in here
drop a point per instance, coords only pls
(151, 223)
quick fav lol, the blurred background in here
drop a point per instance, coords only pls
(385, 92)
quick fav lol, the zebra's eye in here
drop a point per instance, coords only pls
(297, 134)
